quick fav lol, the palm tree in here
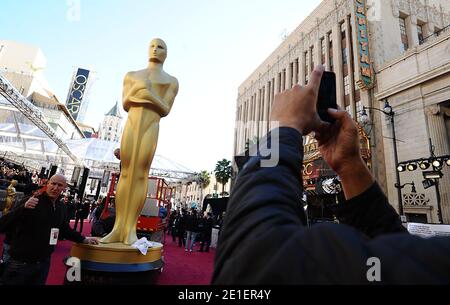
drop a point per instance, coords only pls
(223, 172)
(203, 181)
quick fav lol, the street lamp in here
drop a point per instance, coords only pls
(413, 186)
(387, 110)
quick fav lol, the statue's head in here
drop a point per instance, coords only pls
(14, 183)
(157, 51)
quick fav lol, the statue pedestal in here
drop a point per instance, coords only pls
(117, 264)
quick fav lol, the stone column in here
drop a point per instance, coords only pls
(411, 30)
(428, 29)
(237, 129)
(277, 82)
(257, 110)
(302, 64)
(337, 60)
(317, 53)
(246, 116)
(438, 134)
(351, 78)
(253, 114)
(326, 41)
(266, 108)
(310, 63)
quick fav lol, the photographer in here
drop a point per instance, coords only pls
(265, 239)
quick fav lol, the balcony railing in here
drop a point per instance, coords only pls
(435, 34)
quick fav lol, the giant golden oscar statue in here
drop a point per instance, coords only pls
(148, 95)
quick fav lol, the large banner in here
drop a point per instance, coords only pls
(365, 65)
(77, 92)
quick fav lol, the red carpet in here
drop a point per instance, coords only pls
(182, 268)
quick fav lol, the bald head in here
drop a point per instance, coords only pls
(117, 153)
(157, 51)
(55, 186)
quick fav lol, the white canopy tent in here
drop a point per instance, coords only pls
(26, 138)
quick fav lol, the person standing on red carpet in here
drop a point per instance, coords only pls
(38, 222)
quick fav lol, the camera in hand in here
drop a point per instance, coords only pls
(327, 96)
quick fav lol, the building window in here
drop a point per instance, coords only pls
(347, 108)
(343, 30)
(296, 71)
(344, 56)
(279, 82)
(272, 96)
(358, 110)
(331, 54)
(283, 79)
(420, 33)
(403, 35)
(346, 85)
(356, 91)
(291, 74)
(312, 59)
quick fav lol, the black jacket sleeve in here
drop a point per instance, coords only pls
(370, 213)
(71, 234)
(66, 231)
(264, 240)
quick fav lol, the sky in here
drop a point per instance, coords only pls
(213, 46)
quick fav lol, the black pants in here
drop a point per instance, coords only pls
(181, 240)
(81, 224)
(25, 273)
(206, 241)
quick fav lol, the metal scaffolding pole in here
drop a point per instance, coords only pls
(16, 99)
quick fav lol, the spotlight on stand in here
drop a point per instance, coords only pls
(412, 167)
(424, 165)
(437, 163)
(401, 168)
(447, 162)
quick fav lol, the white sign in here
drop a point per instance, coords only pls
(426, 230)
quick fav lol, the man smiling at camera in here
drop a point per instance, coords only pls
(37, 223)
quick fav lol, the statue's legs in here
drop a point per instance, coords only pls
(8, 206)
(137, 150)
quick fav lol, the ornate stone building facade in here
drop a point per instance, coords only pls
(111, 127)
(358, 40)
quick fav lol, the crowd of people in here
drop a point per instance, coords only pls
(191, 226)
(10, 171)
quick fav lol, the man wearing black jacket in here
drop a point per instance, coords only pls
(37, 224)
(265, 241)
